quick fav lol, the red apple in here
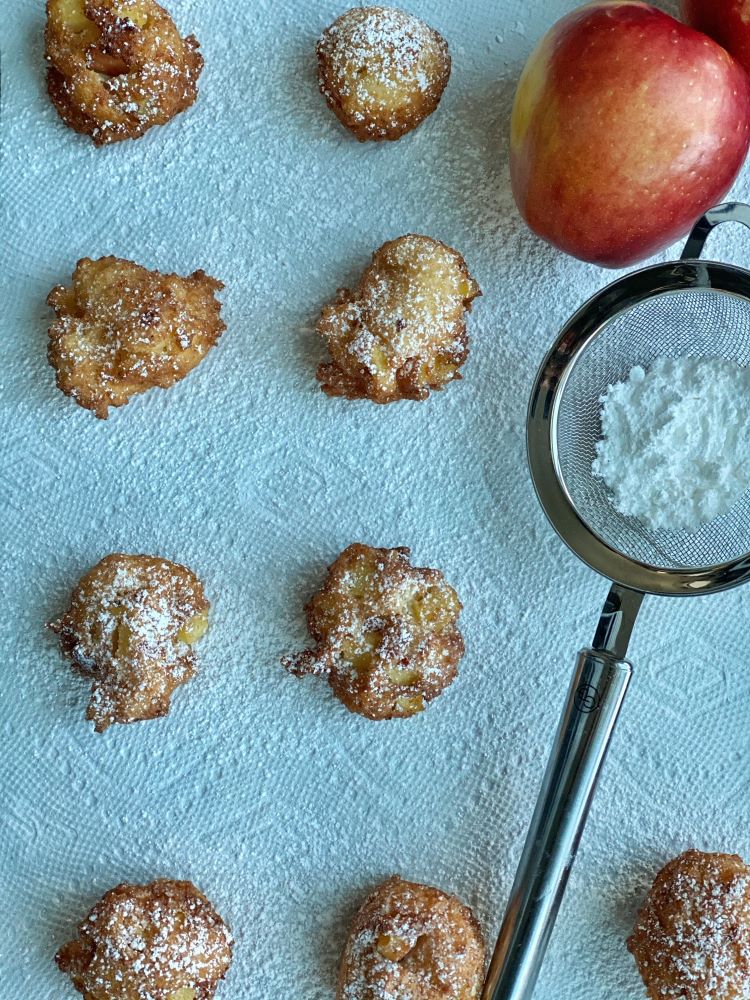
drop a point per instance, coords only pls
(626, 127)
(726, 21)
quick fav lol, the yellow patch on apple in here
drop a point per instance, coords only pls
(530, 89)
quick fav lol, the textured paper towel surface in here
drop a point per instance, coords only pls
(280, 805)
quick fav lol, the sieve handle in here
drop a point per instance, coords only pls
(593, 705)
(731, 211)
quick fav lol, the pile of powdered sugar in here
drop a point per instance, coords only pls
(675, 445)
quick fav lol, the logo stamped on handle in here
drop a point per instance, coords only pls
(587, 698)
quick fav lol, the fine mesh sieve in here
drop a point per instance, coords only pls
(686, 308)
(690, 322)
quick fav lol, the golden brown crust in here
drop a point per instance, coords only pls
(130, 627)
(402, 332)
(118, 67)
(385, 632)
(160, 941)
(382, 71)
(410, 940)
(692, 937)
(121, 329)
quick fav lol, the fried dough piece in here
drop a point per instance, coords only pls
(385, 632)
(118, 67)
(402, 331)
(410, 940)
(122, 329)
(382, 71)
(160, 941)
(692, 937)
(130, 627)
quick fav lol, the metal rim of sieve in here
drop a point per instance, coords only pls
(544, 408)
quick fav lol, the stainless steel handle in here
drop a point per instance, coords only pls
(593, 705)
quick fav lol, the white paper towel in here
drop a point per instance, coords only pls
(280, 805)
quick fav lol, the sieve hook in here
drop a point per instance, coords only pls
(731, 211)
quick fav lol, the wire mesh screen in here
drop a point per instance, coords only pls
(689, 322)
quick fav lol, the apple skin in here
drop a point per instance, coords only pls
(627, 126)
(726, 21)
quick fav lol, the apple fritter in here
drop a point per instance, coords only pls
(402, 331)
(382, 71)
(410, 940)
(385, 632)
(130, 628)
(118, 67)
(121, 329)
(692, 937)
(159, 941)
